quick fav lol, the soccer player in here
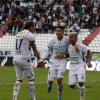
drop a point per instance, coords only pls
(57, 47)
(77, 67)
(25, 40)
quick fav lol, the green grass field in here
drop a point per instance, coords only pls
(7, 80)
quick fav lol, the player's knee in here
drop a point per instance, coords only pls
(59, 80)
(20, 81)
(81, 84)
(72, 86)
(50, 82)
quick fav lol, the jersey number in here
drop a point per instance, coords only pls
(18, 43)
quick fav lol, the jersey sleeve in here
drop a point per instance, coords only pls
(79, 41)
(50, 44)
(84, 48)
(31, 37)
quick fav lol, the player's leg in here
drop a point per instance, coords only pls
(60, 88)
(81, 80)
(31, 89)
(82, 90)
(16, 89)
(19, 75)
(30, 76)
(60, 76)
(51, 76)
(73, 80)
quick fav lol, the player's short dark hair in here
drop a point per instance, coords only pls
(61, 25)
(28, 25)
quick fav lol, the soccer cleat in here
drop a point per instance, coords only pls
(59, 98)
(49, 88)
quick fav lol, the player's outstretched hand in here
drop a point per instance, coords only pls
(89, 65)
(43, 65)
(76, 48)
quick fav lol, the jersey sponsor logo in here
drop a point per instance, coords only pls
(74, 58)
(74, 63)
(60, 53)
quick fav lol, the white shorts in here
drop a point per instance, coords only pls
(56, 72)
(77, 75)
(24, 67)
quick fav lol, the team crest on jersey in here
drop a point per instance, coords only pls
(73, 51)
(60, 46)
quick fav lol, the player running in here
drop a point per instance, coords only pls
(57, 47)
(77, 67)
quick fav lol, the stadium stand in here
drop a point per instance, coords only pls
(68, 11)
(8, 41)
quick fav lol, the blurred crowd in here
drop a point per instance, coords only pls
(76, 14)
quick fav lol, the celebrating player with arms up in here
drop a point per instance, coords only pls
(25, 40)
(78, 64)
(57, 46)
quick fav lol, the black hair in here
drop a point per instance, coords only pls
(61, 27)
(28, 25)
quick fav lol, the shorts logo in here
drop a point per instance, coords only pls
(82, 76)
(63, 74)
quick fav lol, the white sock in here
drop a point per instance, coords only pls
(77, 86)
(82, 92)
(60, 88)
(31, 89)
(16, 89)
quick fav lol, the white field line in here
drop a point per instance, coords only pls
(9, 83)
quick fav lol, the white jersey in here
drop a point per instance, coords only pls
(77, 59)
(58, 47)
(23, 46)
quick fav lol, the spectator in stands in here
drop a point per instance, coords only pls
(0, 17)
(74, 28)
(9, 28)
(67, 11)
(4, 30)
